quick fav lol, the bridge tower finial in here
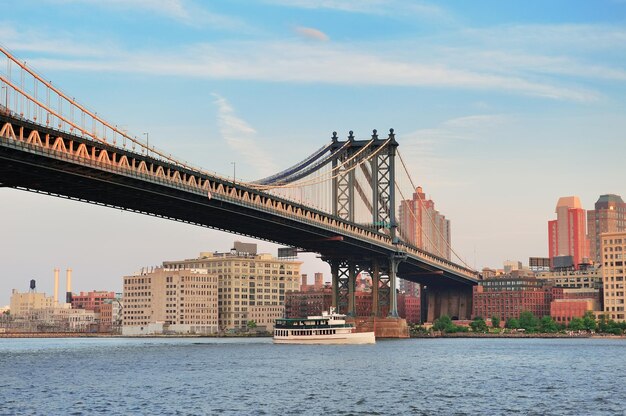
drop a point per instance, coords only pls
(335, 138)
(374, 134)
(392, 137)
(351, 135)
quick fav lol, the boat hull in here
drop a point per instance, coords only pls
(338, 339)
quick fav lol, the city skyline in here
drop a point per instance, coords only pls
(497, 117)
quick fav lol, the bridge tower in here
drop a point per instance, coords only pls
(379, 199)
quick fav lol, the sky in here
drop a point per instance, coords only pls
(499, 108)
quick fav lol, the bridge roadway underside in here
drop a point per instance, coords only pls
(43, 174)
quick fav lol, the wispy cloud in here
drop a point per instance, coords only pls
(311, 33)
(552, 37)
(243, 139)
(185, 11)
(477, 62)
(398, 8)
(427, 145)
(299, 62)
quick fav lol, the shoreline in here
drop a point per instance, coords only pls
(519, 335)
(44, 335)
(104, 335)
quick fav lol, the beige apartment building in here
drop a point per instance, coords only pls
(265, 316)
(613, 247)
(589, 278)
(165, 300)
(23, 304)
(251, 286)
(35, 311)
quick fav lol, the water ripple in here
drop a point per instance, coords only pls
(254, 377)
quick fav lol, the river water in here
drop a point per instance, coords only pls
(206, 376)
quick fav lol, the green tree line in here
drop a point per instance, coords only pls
(532, 324)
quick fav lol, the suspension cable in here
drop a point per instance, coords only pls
(429, 214)
(325, 176)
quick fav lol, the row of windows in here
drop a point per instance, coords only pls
(137, 280)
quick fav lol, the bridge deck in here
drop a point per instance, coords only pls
(44, 160)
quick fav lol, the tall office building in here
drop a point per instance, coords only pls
(613, 249)
(609, 216)
(568, 245)
(423, 226)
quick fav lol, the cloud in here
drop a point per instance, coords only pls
(476, 62)
(311, 33)
(428, 146)
(184, 11)
(242, 138)
(393, 8)
(298, 62)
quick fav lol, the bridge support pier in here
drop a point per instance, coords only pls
(383, 272)
(344, 273)
(455, 302)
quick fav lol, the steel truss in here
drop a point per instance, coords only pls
(383, 271)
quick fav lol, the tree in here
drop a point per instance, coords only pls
(603, 324)
(442, 323)
(479, 325)
(495, 322)
(576, 324)
(512, 323)
(547, 324)
(251, 325)
(528, 321)
(589, 321)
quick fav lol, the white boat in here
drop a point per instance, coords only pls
(330, 328)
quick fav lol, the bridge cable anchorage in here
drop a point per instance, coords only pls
(429, 215)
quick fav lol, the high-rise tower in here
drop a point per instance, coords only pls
(567, 240)
(423, 226)
(609, 216)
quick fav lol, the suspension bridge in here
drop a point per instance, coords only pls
(340, 202)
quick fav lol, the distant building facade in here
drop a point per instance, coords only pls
(608, 216)
(423, 226)
(299, 304)
(245, 279)
(265, 316)
(409, 308)
(318, 283)
(564, 310)
(22, 304)
(409, 288)
(507, 297)
(613, 248)
(167, 300)
(91, 300)
(568, 245)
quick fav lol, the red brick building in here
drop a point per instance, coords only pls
(301, 304)
(91, 300)
(507, 297)
(409, 308)
(563, 310)
(310, 303)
